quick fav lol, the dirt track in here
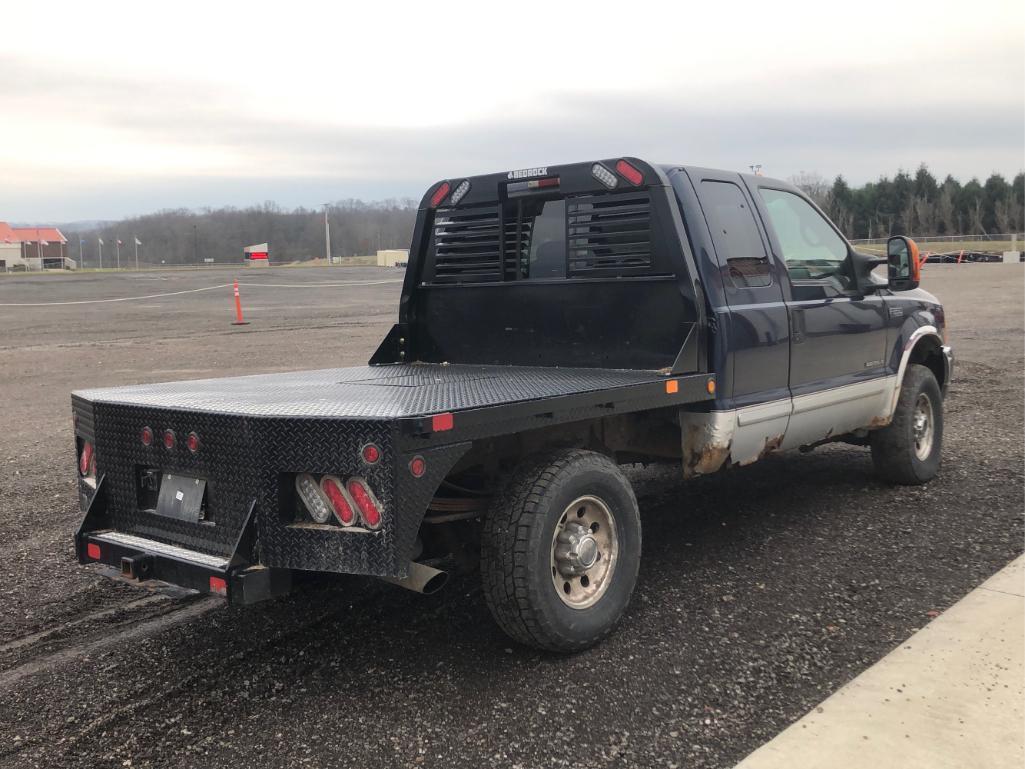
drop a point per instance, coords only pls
(761, 591)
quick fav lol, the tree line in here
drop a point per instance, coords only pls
(184, 236)
(908, 204)
(920, 205)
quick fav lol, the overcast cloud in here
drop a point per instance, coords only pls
(140, 108)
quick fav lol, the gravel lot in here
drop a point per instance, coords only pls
(761, 590)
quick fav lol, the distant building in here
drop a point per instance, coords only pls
(393, 257)
(33, 248)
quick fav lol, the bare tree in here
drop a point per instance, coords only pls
(814, 186)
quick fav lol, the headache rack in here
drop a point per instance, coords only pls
(570, 222)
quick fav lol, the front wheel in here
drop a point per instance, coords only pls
(907, 451)
(560, 550)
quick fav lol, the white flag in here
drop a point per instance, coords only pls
(100, 241)
(138, 242)
(119, 242)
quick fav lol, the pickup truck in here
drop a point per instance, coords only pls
(555, 323)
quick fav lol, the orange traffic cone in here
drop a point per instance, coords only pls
(238, 309)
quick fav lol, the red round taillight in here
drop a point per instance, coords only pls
(192, 442)
(85, 461)
(169, 439)
(371, 454)
(417, 467)
(146, 436)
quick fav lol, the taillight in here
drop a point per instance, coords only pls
(85, 461)
(192, 441)
(369, 507)
(92, 550)
(316, 503)
(439, 194)
(515, 189)
(629, 173)
(218, 585)
(170, 439)
(146, 436)
(343, 504)
(371, 454)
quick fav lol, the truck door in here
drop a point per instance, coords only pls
(838, 335)
(755, 322)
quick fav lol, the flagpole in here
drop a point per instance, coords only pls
(99, 246)
(136, 252)
(117, 250)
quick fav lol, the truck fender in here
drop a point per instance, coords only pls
(921, 344)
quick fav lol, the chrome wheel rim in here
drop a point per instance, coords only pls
(585, 549)
(923, 427)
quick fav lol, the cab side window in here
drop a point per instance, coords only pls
(735, 234)
(811, 248)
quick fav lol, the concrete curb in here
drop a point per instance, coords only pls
(949, 697)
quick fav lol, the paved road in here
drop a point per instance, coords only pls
(761, 591)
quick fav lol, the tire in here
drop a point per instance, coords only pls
(524, 550)
(900, 452)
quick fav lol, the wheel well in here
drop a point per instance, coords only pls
(929, 353)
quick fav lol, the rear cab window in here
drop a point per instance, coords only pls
(735, 234)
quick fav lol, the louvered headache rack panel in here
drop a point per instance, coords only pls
(608, 235)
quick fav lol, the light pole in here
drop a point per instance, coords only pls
(327, 235)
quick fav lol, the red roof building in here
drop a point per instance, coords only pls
(31, 247)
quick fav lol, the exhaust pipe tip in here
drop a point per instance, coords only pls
(422, 579)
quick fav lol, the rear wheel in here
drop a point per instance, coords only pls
(907, 451)
(560, 551)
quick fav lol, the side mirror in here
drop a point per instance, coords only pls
(904, 269)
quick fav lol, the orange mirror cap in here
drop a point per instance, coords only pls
(916, 265)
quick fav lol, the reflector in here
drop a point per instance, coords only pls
(86, 460)
(417, 467)
(309, 492)
(442, 422)
(344, 507)
(371, 454)
(218, 585)
(369, 507)
(629, 173)
(92, 550)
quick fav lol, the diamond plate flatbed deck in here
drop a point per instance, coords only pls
(386, 392)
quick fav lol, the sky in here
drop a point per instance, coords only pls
(111, 109)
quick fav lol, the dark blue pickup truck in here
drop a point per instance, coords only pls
(555, 323)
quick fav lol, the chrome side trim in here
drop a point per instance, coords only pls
(839, 410)
(742, 436)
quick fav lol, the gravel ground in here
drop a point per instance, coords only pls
(761, 591)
